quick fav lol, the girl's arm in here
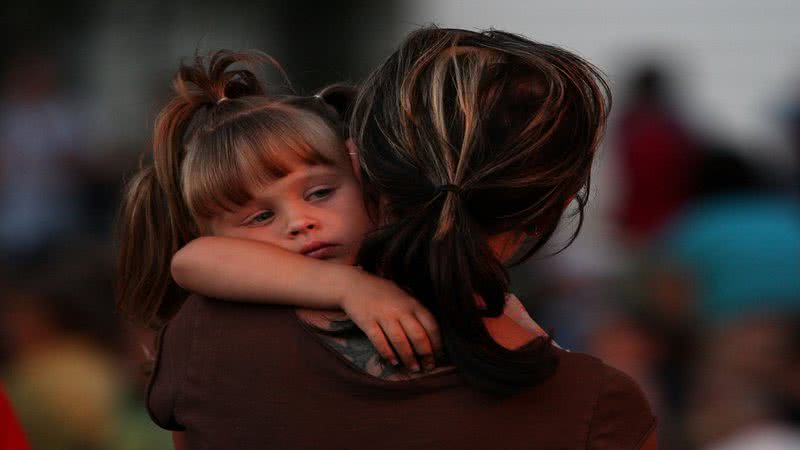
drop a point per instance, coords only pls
(252, 271)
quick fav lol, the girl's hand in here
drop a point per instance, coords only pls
(397, 325)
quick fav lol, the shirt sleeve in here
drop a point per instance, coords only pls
(622, 418)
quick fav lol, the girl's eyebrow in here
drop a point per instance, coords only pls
(313, 174)
(321, 169)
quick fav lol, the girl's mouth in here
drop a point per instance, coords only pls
(319, 250)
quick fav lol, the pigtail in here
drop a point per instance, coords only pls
(155, 220)
(146, 293)
(340, 97)
(337, 100)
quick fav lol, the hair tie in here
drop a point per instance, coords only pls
(454, 188)
(222, 99)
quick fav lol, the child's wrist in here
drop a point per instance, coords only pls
(345, 279)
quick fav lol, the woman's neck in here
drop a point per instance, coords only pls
(508, 333)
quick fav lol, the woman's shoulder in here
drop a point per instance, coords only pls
(207, 335)
(618, 412)
(612, 388)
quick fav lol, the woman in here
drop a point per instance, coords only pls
(471, 145)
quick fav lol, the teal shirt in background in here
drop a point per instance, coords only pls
(743, 252)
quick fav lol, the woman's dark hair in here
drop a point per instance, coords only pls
(464, 135)
(218, 136)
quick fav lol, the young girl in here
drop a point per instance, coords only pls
(228, 160)
(470, 143)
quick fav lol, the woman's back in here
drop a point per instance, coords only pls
(290, 390)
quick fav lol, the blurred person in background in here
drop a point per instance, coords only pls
(40, 141)
(727, 262)
(746, 393)
(656, 154)
(737, 242)
(62, 370)
(791, 121)
(747, 388)
(11, 435)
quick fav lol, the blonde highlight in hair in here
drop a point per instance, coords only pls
(463, 135)
(216, 140)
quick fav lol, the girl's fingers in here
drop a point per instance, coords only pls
(399, 341)
(431, 326)
(376, 336)
(419, 339)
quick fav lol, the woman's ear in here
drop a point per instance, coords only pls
(569, 200)
(505, 245)
(352, 152)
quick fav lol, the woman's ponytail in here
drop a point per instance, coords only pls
(448, 269)
(463, 268)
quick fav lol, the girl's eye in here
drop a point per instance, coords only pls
(320, 194)
(262, 217)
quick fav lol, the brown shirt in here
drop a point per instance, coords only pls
(243, 376)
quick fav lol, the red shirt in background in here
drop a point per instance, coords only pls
(11, 435)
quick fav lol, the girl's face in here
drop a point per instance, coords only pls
(315, 210)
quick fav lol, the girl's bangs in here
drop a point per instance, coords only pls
(253, 150)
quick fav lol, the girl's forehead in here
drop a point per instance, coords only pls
(303, 170)
(298, 175)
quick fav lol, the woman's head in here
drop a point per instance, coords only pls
(228, 159)
(512, 123)
(463, 136)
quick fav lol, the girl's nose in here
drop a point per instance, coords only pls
(302, 225)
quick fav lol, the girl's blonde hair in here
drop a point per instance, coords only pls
(215, 140)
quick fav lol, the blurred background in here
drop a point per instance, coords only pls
(686, 274)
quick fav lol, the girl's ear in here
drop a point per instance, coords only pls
(535, 231)
(352, 152)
